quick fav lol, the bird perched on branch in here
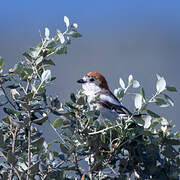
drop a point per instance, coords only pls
(95, 85)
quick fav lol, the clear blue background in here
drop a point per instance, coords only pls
(136, 37)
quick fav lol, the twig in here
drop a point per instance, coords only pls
(111, 127)
(29, 146)
(15, 170)
(5, 94)
(13, 150)
(76, 164)
(112, 169)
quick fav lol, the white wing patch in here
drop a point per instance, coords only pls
(110, 99)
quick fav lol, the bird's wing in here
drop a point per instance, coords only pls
(109, 101)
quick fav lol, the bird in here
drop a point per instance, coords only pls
(95, 85)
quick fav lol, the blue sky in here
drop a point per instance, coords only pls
(136, 37)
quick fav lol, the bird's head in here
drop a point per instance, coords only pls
(94, 82)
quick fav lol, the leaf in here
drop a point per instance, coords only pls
(177, 135)
(46, 75)
(147, 121)
(11, 111)
(39, 60)
(173, 141)
(161, 102)
(47, 33)
(171, 88)
(50, 44)
(155, 123)
(40, 121)
(103, 138)
(1, 139)
(138, 101)
(170, 101)
(130, 79)
(73, 97)
(58, 123)
(152, 114)
(27, 56)
(47, 62)
(34, 168)
(164, 122)
(18, 68)
(66, 20)
(74, 34)
(11, 158)
(142, 92)
(122, 84)
(135, 84)
(81, 101)
(38, 142)
(63, 148)
(75, 25)
(61, 50)
(160, 84)
(158, 76)
(13, 86)
(61, 36)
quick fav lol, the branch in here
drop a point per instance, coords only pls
(76, 164)
(111, 127)
(29, 146)
(13, 150)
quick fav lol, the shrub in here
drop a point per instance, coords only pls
(143, 147)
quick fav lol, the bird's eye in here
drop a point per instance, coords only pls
(91, 80)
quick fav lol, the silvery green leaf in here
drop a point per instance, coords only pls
(47, 33)
(75, 25)
(158, 76)
(58, 123)
(160, 84)
(171, 88)
(117, 91)
(40, 121)
(164, 122)
(135, 84)
(161, 102)
(34, 168)
(1, 139)
(164, 128)
(46, 75)
(152, 114)
(130, 79)
(122, 84)
(38, 142)
(61, 36)
(147, 120)
(66, 20)
(170, 101)
(61, 50)
(138, 101)
(11, 158)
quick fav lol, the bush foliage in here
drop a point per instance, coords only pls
(142, 148)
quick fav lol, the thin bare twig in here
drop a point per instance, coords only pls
(14, 134)
(76, 164)
(29, 146)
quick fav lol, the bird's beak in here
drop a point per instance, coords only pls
(81, 81)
